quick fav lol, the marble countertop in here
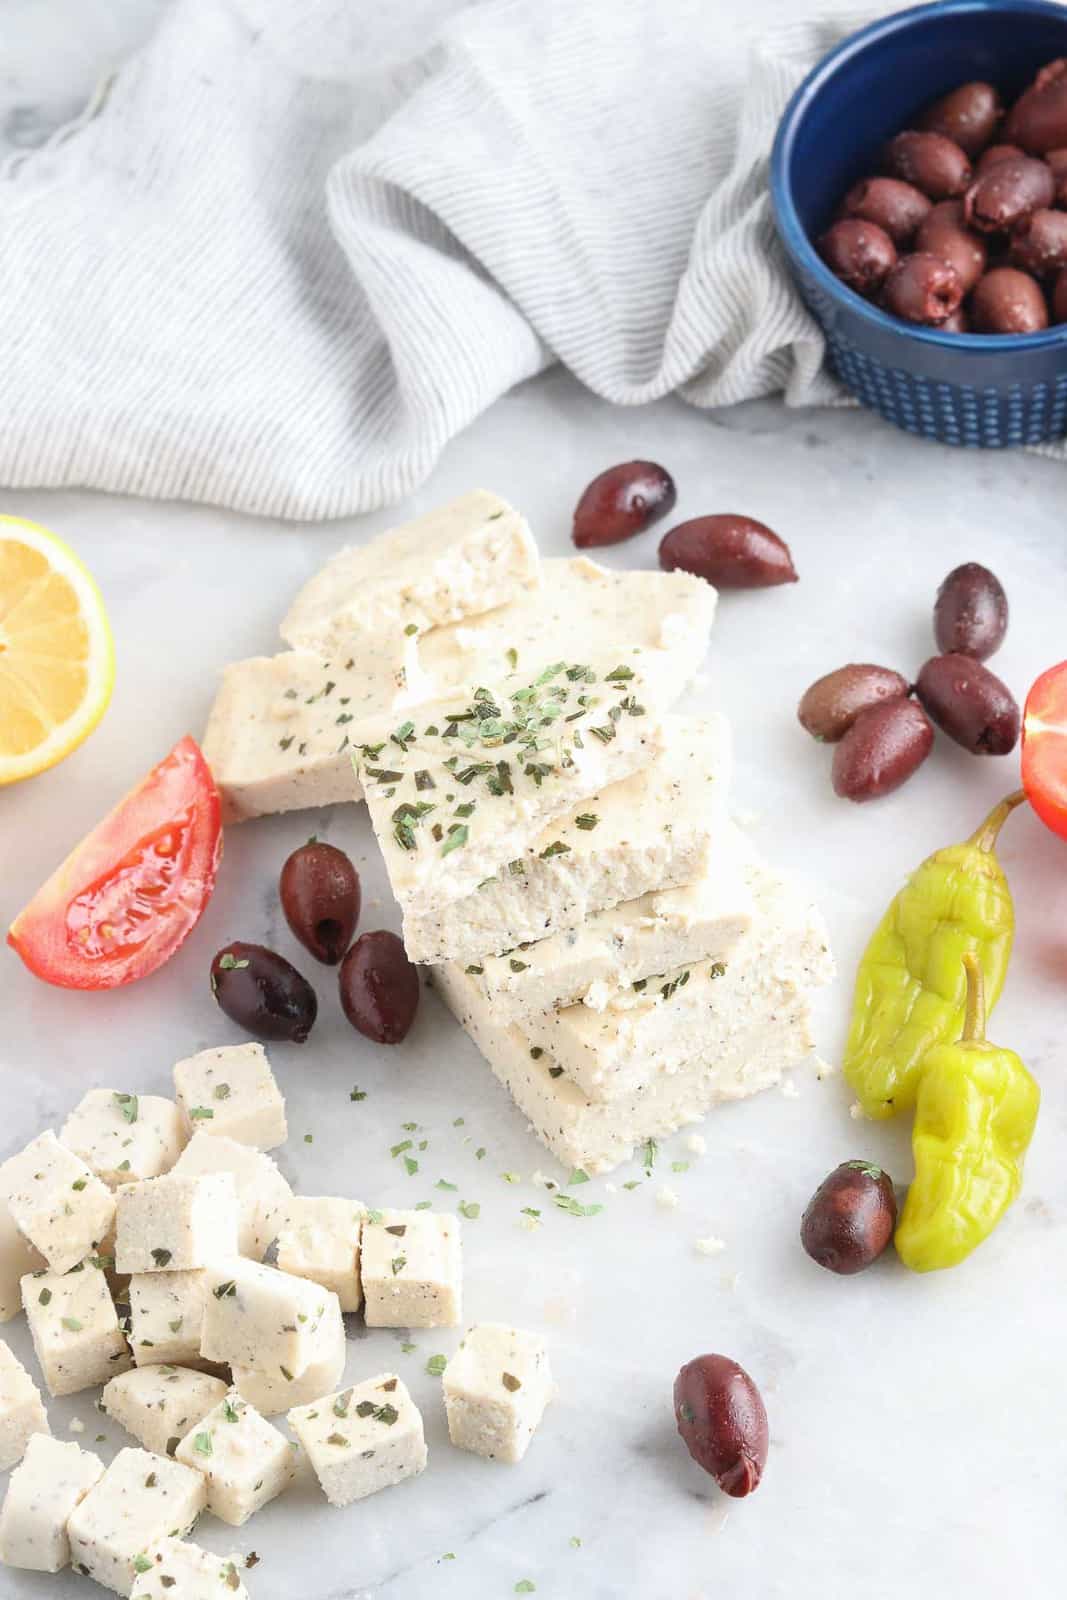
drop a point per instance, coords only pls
(917, 1424)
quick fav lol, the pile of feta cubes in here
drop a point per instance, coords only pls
(134, 1243)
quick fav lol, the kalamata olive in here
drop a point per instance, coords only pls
(623, 501)
(959, 322)
(922, 288)
(1006, 300)
(945, 235)
(732, 552)
(1059, 298)
(860, 253)
(1039, 243)
(850, 1218)
(970, 612)
(723, 1421)
(968, 115)
(972, 705)
(320, 895)
(1006, 193)
(829, 708)
(896, 207)
(1038, 119)
(1056, 161)
(379, 987)
(881, 750)
(263, 993)
(931, 162)
(995, 153)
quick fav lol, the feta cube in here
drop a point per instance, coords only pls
(141, 1500)
(17, 1257)
(159, 1405)
(245, 1461)
(175, 1223)
(124, 1137)
(178, 1570)
(364, 1439)
(52, 1478)
(75, 1327)
(411, 1270)
(233, 1092)
(497, 1386)
(256, 1316)
(262, 1192)
(56, 1202)
(22, 1412)
(167, 1317)
(271, 1392)
(320, 1240)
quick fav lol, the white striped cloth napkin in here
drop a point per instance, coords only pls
(262, 276)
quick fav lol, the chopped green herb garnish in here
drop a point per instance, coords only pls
(470, 1209)
(201, 1114)
(587, 821)
(128, 1104)
(436, 1365)
(567, 1203)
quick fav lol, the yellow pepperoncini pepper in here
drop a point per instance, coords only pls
(975, 1116)
(910, 987)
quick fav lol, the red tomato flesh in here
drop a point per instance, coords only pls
(1045, 748)
(131, 892)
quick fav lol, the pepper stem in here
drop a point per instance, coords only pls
(985, 837)
(974, 1016)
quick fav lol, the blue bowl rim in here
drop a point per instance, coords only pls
(792, 230)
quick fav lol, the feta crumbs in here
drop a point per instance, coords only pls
(789, 1090)
(696, 1144)
(709, 1246)
(666, 1199)
(855, 1111)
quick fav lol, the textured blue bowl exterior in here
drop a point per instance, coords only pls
(963, 389)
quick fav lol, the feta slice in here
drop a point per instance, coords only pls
(124, 1137)
(496, 1388)
(459, 786)
(363, 1439)
(52, 1478)
(412, 1270)
(232, 1091)
(141, 1500)
(178, 1570)
(245, 1461)
(17, 1257)
(651, 830)
(75, 1327)
(463, 558)
(256, 1316)
(159, 1405)
(319, 1240)
(262, 1193)
(175, 1223)
(167, 1317)
(22, 1412)
(271, 1392)
(56, 1202)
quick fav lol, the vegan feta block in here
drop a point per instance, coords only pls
(274, 1391)
(496, 1388)
(463, 558)
(262, 1193)
(412, 1270)
(256, 1316)
(75, 1327)
(232, 1091)
(176, 1223)
(17, 1257)
(363, 1439)
(167, 1317)
(56, 1202)
(651, 830)
(124, 1137)
(141, 1500)
(159, 1405)
(52, 1478)
(178, 1570)
(245, 1461)
(459, 785)
(22, 1412)
(320, 1240)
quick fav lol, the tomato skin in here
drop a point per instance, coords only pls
(1045, 748)
(135, 887)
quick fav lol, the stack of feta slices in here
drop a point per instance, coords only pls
(558, 839)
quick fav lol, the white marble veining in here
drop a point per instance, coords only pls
(917, 1424)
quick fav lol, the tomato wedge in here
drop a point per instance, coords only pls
(1045, 748)
(127, 896)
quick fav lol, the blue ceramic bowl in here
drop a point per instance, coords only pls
(965, 389)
